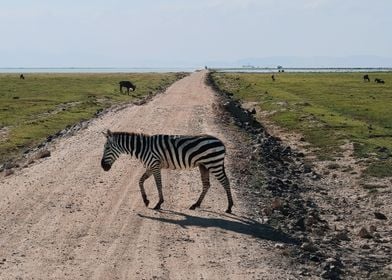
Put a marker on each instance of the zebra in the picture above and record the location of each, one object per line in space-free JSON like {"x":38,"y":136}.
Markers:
{"x":158,"y":152}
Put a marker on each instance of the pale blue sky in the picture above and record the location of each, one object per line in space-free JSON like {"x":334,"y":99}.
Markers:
{"x":120,"y":33}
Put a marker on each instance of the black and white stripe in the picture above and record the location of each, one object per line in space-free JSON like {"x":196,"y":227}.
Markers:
{"x":157,"y":152}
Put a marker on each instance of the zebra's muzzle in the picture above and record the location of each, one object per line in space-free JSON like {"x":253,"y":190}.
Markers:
{"x":105,"y":166}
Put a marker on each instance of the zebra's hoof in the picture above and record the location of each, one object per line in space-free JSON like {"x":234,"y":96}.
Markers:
{"x":157,"y":207}
{"x":194,"y":206}
{"x":146,"y":202}
{"x":228,"y":211}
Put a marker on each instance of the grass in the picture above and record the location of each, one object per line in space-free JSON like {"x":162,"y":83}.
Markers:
{"x":327,"y":109}
{"x":42,"y":104}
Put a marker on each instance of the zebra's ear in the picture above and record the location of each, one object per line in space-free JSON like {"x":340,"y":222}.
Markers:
{"x":107,"y":133}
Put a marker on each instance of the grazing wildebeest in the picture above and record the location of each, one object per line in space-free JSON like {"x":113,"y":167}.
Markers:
{"x":127,"y":85}
{"x":379,"y":81}
{"x":273,"y":77}
{"x":21,"y":77}
{"x":366,"y":78}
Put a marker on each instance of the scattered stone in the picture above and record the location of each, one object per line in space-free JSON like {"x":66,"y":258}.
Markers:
{"x":364,"y":233}
{"x":309,"y":246}
{"x":316,"y":176}
{"x":276,"y":203}
{"x":267,"y":211}
{"x":332,"y":269}
{"x":279,"y":246}
{"x":311,"y":220}
{"x":300,"y":224}
{"x":8,"y":172}
{"x":343,"y":235}
{"x":43,"y":154}
{"x":333,"y":166}
{"x":307,"y":168}
{"x":380,"y":216}
{"x":365,"y":246}
{"x":314,"y":258}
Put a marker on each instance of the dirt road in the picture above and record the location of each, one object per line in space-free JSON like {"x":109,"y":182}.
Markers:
{"x":65,"y":218}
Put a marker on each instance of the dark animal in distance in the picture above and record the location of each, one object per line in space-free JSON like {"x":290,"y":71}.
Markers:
{"x":273,"y":77}
{"x":379,"y":81}
{"x":127,"y":85}
{"x":21,"y":77}
{"x":366,"y":78}
{"x":158,"y":152}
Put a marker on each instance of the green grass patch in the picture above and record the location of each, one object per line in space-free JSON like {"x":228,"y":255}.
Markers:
{"x":327,"y":108}
{"x":42,"y":104}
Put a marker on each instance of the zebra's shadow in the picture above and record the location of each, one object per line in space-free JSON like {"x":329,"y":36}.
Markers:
{"x":229,"y":223}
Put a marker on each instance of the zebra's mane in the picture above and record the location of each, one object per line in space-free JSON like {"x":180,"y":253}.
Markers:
{"x":140,"y":134}
{"x":116,"y":134}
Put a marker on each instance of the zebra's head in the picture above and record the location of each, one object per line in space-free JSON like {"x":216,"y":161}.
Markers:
{"x":109,"y":154}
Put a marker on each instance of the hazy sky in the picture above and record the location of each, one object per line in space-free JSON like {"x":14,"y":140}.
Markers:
{"x":126,"y":33}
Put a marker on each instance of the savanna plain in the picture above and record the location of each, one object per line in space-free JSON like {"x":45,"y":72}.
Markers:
{"x":310,"y":167}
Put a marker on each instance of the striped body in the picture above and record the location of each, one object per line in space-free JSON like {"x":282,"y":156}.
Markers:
{"x":158,"y":152}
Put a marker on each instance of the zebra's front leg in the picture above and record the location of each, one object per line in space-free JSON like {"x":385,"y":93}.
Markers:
{"x":158,"y":181}
{"x":144,"y":177}
{"x":205,"y":179}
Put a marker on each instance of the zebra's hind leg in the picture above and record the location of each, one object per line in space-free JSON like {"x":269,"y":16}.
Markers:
{"x":144,"y":177}
{"x":220,"y":174}
{"x":205,"y":179}
{"x":158,"y":181}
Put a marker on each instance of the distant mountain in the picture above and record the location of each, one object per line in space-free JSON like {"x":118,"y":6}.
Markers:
{"x":315,"y":61}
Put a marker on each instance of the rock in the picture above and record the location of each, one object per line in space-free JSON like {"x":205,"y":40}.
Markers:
{"x":314,"y":258}
{"x":9,"y":165}
{"x":8,"y":172}
{"x":315,"y":176}
{"x":307,"y":168}
{"x":365,"y":246}
{"x":267,"y":211}
{"x":311,"y":220}
{"x":332,"y":268}
{"x":343,"y":235}
{"x":300,"y":154}
{"x":309,"y":246}
{"x":380,"y":216}
{"x":43,"y":153}
{"x":279,"y":246}
{"x":328,"y":274}
{"x":300,"y":224}
{"x":364,"y":233}
{"x":276,"y":203}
